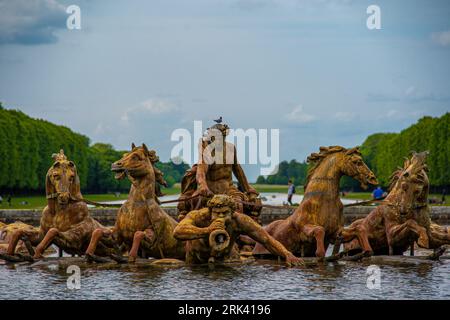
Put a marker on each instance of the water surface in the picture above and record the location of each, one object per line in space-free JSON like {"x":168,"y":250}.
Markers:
{"x":262,"y":280}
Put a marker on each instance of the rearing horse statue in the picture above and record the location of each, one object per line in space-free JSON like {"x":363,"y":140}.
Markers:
{"x":65,"y":220}
{"x":403,"y":217}
{"x":141,"y":224}
{"x":319,"y":218}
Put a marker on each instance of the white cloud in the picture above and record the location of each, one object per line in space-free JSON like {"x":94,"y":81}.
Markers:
{"x":252,"y":4}
{"x":298,"y":115}
{"x":344,"y":116}
{"x":410,"y":91}
{"x":300,"y":4}
{"x":391,"y":113}
{"x":410,"y":95}
{"x":441,"y":38}
{"x":158,"y":106}
{"x":99,"y":129}
{"x":31,"y":21}
{"x":152,"y":106}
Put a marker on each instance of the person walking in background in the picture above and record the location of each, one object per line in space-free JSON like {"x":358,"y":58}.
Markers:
{"x":444,"y":193}
{"x":291,"y":191}
{"x":378,"y":193}
{"x":8,"y":199}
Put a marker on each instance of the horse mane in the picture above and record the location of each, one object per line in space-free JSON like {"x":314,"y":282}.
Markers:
{"x":394,"y":178}
{"x":420,"y":172}
{"x":153,"y":157}
{"x":189,"y":181}
{"x":159,"y":175}
{"x":315,"y":159}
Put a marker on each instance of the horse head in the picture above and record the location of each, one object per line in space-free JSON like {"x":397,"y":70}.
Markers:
{"x":342,"y":161}
{"x":62,"y":181}
{"x":136,"y":164}
{"x":346,"y":161}
{"x":411,"y":183}
{"x":354,"y":166}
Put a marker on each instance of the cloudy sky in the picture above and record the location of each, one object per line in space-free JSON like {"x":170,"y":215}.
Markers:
{"x":137,"y":70}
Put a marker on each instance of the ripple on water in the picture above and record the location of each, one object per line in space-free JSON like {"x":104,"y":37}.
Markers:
{"x":258,"y":281}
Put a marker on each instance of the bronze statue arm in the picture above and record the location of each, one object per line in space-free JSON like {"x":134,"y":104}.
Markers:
{"x":200,"y":176}
{"x":202,"y":169}
{"x":240,"y":175}
{"x":187,"y":230}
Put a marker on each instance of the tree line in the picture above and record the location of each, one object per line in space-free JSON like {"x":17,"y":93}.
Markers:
{"x":292,"y":170}
{"x":384,"y":152}
{"x":26,"y":147}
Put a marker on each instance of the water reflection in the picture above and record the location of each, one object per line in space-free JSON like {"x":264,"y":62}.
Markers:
{"x":262,"y":280}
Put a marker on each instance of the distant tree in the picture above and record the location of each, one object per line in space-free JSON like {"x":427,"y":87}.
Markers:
{"x":26,"y":146}
{"x":292,"y":170}
{"x":261,"y":180}
{"x":383,"y":153}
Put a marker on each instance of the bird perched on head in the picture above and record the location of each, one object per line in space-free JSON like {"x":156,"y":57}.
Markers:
{"x":218,"y":120}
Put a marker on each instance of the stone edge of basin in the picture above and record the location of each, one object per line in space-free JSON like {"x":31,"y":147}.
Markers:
{"x":439,"y":214}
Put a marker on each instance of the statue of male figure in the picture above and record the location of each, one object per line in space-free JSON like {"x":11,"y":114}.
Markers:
{"x":216,"y":166}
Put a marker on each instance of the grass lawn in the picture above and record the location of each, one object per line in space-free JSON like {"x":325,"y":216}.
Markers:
{"x":39,"y":202}
{"x":358,"y":195}
{"x":34,"y":202}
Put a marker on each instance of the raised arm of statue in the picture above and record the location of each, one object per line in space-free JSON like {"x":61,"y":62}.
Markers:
{"x":202,"y":170}
{"x":240,"y":175}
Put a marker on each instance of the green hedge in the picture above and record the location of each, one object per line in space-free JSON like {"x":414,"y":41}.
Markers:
{"x":26,"y":147}
{"x":384,"y":152}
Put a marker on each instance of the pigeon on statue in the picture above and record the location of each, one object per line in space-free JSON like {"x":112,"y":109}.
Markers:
{"x":218,"y":120}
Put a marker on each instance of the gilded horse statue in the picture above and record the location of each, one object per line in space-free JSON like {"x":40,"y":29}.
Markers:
{"x":65,"y":221}
{"x":403,"y":217}
{"x":142,"y":226}
{"x":319,"y":218}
